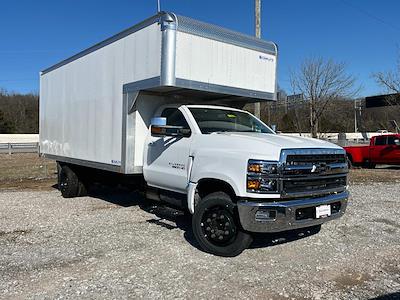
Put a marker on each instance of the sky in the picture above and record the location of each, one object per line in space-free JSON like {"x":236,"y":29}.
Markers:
{"x":364,"y":34}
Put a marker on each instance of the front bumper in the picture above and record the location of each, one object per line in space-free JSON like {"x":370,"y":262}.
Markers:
{"x":288,"y":214}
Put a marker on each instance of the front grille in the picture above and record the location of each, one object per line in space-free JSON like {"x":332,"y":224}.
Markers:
{"x":312,"y":173}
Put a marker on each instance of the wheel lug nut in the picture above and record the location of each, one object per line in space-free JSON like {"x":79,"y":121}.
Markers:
{"x":208,"y":228}
{"x":213,"y":236}
{"x":220,"y":237}
{"x":227,"y":224}
{"x":226,"y":232}
{"x":222,"y":217}
{"x":214,"y":215}
{"x":208,"y":220}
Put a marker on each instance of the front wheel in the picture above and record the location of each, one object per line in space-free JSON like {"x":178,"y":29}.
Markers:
{"x":216,"y":226}
{"x":349,"y":163}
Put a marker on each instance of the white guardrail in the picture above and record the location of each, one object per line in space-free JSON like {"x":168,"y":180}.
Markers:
{"x":19,"y":143}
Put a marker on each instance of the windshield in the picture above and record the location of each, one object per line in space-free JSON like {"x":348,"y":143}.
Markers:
{"x":222,"y":120}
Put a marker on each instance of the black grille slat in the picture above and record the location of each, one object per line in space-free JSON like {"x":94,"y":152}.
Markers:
{"x":295,"y":159}
{"x":314,"y":184}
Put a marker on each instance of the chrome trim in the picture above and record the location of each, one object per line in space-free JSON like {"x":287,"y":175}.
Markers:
{"x":224,"y":35}
{"x":332,"y":166}
{"x":285,"y":213}
{"x":222,"y":89}
{"x":309,"y":151}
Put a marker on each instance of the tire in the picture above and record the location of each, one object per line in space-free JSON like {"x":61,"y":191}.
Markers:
{"x":369,"y":165}
{"x":222,"y":239}
{"x":69,"y":183}
{"x":349,"y":163}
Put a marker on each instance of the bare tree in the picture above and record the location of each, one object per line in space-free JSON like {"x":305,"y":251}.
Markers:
{"x":390,"y":81}
{"x":321,"y":81}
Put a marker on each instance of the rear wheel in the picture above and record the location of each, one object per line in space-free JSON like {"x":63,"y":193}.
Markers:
{"x":69,"y":183}
{"x":216,"y":227}
{"x":369,"y":165}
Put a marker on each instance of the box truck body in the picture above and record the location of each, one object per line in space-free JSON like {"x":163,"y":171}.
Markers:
{"x":90,"y":112}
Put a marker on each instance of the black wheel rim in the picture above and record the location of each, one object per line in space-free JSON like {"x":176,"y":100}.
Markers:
{"x":218,"y":226}
{"x":63,"y":182}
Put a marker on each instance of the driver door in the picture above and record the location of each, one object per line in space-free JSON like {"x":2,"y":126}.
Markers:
{"x":166,"y":163}
{"x":392,"y":153}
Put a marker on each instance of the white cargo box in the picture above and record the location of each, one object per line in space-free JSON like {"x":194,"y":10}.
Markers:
{"x":95,"y":107}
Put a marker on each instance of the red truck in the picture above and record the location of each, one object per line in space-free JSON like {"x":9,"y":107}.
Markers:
{"x":382,"y":149}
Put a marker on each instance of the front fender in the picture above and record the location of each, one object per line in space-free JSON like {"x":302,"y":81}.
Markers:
{"x":226,"y":166}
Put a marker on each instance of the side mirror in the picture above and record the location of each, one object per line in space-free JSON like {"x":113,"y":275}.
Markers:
{"x":397,"y":142}
{"x":166,"y":130}
{"x":160,"y":121}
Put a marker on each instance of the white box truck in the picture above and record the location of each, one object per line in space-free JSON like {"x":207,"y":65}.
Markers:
{"x":158,"y":103}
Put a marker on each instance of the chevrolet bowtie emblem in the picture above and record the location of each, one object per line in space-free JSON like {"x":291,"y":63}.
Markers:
{"x":313,"y":169}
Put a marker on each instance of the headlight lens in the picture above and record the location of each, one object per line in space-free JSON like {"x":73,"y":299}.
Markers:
{"x":262,"y":176}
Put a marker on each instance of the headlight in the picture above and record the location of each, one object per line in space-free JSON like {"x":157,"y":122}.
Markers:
{"x":262,"y":176}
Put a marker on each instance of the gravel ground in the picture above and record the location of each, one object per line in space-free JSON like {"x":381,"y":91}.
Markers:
{"x":113,"y":245}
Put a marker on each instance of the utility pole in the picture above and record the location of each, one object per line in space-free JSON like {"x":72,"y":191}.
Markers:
{"x":355,"y":115}
{"x":158,"y":6}
{"x":257,"y":6}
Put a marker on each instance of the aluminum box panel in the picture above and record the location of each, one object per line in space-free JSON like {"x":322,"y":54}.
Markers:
{"x":81,"y":101}
{"x":217,"y":63}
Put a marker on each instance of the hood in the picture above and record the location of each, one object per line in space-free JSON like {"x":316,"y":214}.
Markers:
{"x":254,"y":145}
{"x":283,"y":141}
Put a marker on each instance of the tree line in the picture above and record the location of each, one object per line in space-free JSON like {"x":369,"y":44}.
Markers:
{"x":19,"y":113}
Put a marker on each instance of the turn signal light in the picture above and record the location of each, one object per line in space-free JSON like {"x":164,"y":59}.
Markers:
{"x":156,"y":130}
{"x":253,"y":184}
{"x":254,"y":168}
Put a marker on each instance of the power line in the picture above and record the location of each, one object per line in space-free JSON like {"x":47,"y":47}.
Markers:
{"x":365,"y":12}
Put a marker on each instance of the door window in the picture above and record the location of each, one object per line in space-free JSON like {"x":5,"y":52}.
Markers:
{"x":379,"y":141}
{"x":175,"y":117}
{"x":391,"y":140}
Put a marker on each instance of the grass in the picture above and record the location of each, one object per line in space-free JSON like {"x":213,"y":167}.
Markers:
{"x":26,"y":170}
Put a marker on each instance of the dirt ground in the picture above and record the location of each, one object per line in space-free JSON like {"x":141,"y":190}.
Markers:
{"x":26,"y":171}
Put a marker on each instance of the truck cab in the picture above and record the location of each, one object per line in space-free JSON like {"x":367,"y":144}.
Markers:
{"x":385,"y":149}
{"x":238,"y":176}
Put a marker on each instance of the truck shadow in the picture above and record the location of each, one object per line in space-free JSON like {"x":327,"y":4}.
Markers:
{"x":175,"y":219}
{"x":393,"y":296}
